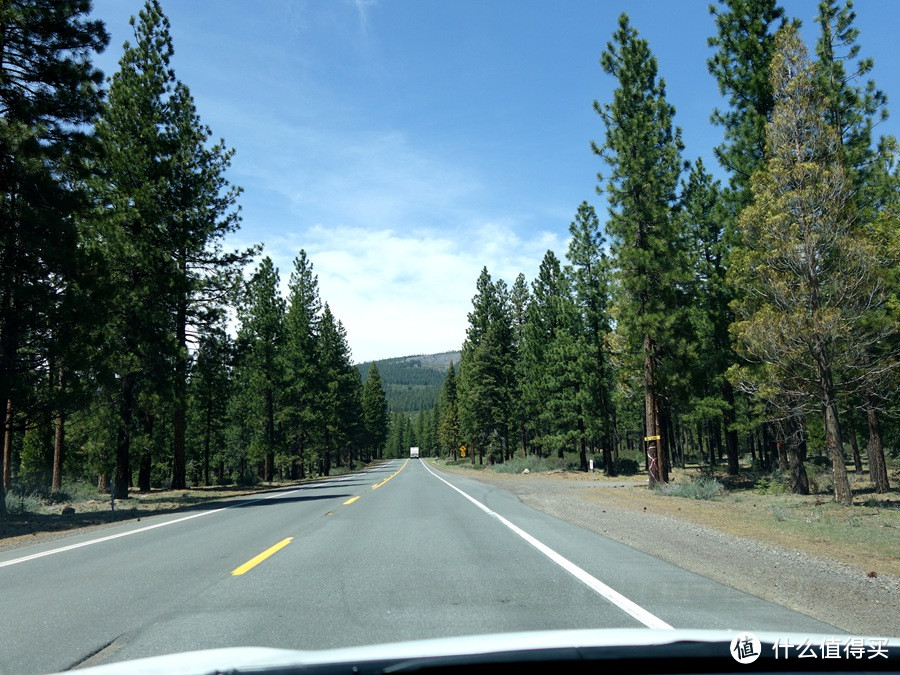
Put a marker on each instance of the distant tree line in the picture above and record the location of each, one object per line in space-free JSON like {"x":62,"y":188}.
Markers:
{"x":755,"y":318}
{"x":116,"y":289}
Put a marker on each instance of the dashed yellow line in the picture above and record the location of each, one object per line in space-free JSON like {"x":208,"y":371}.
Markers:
{"x":375,"y":487}
{"x":253,"y":562}
{"x":351,"y":500}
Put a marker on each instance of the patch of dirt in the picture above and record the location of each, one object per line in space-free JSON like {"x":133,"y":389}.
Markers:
{"x":841,"y":566}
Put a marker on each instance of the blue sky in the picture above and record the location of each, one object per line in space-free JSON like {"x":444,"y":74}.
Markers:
{"x":405,"y":144}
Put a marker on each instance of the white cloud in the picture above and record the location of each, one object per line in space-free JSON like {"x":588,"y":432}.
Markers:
{"x":407,"y":293}
{"x":397,"y":230}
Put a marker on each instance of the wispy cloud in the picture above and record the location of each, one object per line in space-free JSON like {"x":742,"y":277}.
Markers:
{"x":362,"y":11}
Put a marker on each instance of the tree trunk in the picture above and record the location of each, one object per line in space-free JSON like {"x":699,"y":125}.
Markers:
{"x":7,"y":446}
{"x":782,"y":455}
{"x":582,"y":445}
{"x":206,"y":440}
{"x":6,"y":437}
{"x":123,"y":439}
{"x":146,"y":461}
{"x":799,"y":479}
{"x":179,"y":479}
{"x":665,"y":451}
{"x":842,"y":493}
{"x":207,"y":437}
{"x":56,"y":482}
{"x":854,"y":443}
{"x":764,"y":456}
{"x":268,"y":473}
{"x":652,"y":435}
{"x":731,"y":437}
{"x":875,"y":451}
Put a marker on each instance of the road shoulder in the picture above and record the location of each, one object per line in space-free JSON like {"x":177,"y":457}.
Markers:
{"x":832,"y":591}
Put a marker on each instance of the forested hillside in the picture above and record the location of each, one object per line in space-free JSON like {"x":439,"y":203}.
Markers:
{"x":412,"y":383}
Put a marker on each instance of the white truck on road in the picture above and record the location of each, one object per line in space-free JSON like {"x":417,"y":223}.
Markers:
{"x":414,"y":453}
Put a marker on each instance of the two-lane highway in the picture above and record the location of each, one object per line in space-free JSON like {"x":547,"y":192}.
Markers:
{"x":401,"y":551}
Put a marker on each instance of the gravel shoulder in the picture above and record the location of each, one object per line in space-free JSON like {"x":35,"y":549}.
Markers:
{"x":843,"y":593}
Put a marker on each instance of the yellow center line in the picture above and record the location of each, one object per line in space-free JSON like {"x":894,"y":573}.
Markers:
{"x":351,"y":500}
{"x":392,"y":475}
{"x":250,"y":564}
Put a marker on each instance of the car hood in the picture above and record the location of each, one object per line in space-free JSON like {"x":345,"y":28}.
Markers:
{"x":556,"y":645}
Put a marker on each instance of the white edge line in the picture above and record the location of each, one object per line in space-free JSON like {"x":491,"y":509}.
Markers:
{"x":110,"y":537}
{"x":616,"y":598}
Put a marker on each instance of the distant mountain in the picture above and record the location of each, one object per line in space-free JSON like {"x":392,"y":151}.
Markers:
{"x":412,"y":383}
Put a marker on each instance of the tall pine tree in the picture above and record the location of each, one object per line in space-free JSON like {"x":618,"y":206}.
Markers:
{"x":588,"y":273}
{"x":809,"y":278}
{"x":261,"y":337}
{"x":643,"y":151}
{"x":300,"y":410}
{"x":49,"y":92}
{"x":375,"y":412}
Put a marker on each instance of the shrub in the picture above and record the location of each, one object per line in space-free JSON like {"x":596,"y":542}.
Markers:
{"x":773,"y":484}
{"x":779,"y":512}
{"x":701,"y":487}
{"x":625,"y":466}
{"x":533,"y":463}
{"x":769,"y":486}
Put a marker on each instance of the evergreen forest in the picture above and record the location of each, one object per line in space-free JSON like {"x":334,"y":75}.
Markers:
{"x":738,"y":316}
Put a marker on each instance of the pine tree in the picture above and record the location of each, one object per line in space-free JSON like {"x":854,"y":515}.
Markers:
{"x":339,"y":393}
{"x":549,"y":349}
{"x":808,"y":275}
{"x":300,"y":412}
{"x":133,"y":183}
{"x":588,"y":274}
{"x":201,"y":212}
{"x":49,"y":92}
{"x":209,"y":391}
{"x":486,"y":371}
{"x":744,"y":43}
{"x":375,"y":414}
{"x":448,"y":429}
{"x":519,"y":299}
{"x":643,"y":151}
{"x":853,"y":111}
{"x":262,"y":334}
{"x":704,"y":214}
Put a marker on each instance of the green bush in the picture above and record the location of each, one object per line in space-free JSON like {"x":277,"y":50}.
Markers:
{"x":775,"y":483}
{"x":769,"y":486}
{"x":624,"y":466}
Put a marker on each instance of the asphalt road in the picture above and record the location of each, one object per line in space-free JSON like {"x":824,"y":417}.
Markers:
{"x":395,"y":553}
